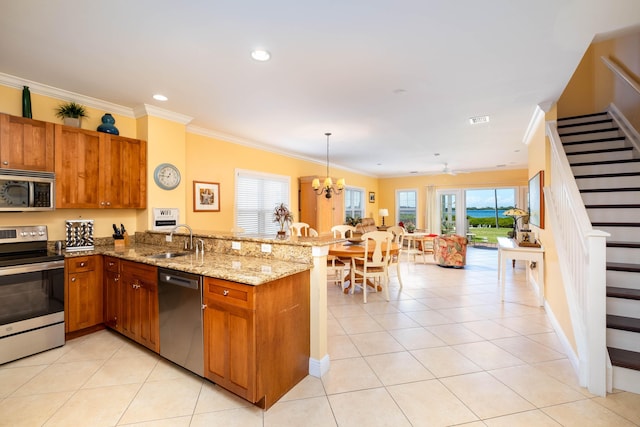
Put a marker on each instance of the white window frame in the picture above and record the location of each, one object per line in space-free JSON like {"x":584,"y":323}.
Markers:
{"x":264,"y":213}
{"x":397,"y":204}
{"x":362,"y":201}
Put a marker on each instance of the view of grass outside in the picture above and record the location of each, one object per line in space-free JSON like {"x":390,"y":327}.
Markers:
{"x":483,"y":225}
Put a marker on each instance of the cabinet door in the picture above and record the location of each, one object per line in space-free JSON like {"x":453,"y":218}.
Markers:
{"x":229,"y":344}
{"x":112,"y":292}
{"x":139,"y":304}
{"x":84,"y":294}
{"x":124,"y":172}
{"x":78,"y":183}
{"x":149,"y":321}
{"x":26,"y":144}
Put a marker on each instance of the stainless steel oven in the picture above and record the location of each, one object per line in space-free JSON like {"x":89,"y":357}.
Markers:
{"x":31,"y":293}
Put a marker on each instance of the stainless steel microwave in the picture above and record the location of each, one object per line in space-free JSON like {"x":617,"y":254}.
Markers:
{"x":27,"y":190}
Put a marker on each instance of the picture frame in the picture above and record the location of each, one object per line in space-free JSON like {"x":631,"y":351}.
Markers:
{"x":206,"y":196}
{"x":536,"y":200}
{"x":372,"y":197}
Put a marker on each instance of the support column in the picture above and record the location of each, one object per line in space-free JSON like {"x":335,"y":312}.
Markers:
{"x":319,"y":357}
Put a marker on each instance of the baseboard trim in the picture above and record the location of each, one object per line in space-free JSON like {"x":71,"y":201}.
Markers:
{"x":317,"y":368}
{"x":566,"y":345}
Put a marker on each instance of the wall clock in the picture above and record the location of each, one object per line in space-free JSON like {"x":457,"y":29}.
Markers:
{"x":167,"y":176}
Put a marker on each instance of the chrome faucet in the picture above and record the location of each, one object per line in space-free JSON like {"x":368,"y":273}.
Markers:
{"x":190,"y":235}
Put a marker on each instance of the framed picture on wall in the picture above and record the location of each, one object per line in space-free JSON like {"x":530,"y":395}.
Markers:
{"x":536,"y":200}
{"x":206,"y":196}
{"x":372,"y":197}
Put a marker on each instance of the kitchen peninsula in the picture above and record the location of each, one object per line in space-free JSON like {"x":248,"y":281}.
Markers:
{"x":261,"y":307}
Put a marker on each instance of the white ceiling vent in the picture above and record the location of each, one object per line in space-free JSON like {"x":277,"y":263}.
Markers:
{"x":479,"y":120}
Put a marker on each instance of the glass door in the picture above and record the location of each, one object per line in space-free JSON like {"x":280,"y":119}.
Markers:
{"x":451,"y":202}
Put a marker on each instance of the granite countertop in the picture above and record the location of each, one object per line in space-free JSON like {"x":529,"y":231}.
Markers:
{"x":241,"y":269}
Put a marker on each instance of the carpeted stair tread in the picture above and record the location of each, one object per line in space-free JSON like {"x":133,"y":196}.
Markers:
{"x":583,"y":116}
{"x":600,"y":151}
{"x":609,"y":190}
{"x":593,"y":141}
{"x":630,"y":245}
{"x":616,"y":206}
{"x":589,"y":132}
{"x":606,"y":162}
{"x":589,"y":123}
{"x":621,"y":266}
{"x":624,"y":358}
{"x":615,"y":224}
{"x":608,"y":175}
{"x":625,"y":293}
{"x":630,"y":324}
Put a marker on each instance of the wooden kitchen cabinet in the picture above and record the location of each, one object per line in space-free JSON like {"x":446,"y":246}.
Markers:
{"x":83,"y":293}
{"x":112,"y":292}
{"x":257,"y":337}
{"x":99,"y":170}
{"x":139,"y":318}
{"x":26,"y":144}
{"x":319,"y":212}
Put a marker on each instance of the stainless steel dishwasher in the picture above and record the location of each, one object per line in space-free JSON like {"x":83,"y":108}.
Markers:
{"x":180,"y":304}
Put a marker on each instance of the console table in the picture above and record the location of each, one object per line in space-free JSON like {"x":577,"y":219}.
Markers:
{"x":509,"y":249}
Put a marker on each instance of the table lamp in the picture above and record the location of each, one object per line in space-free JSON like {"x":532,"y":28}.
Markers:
{"x":383,"y":213}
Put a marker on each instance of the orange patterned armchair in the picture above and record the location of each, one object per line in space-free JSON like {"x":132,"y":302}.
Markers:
{"x":450,"y":251}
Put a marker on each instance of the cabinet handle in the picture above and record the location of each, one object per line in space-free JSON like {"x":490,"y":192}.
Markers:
{"x":5,"y":163}
{"x":73,"y":279}
{"x":225,"y":292}
{"x":82,"y":264}
{"x":108,"y":203}
{"x":115,"y":279}
{"x":101,"y":203}
{"x":111,"y":263}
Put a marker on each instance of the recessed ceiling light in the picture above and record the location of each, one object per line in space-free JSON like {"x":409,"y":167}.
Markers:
{"x":399,"y":91}
{"x":479,"y":120}
{"x":159,"y":97}
{"x":260,"y":55}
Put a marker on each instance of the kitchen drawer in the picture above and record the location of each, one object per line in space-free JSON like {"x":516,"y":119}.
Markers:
{"x":80,"y":264}
{"x":142,"y":272}
{"x":112,"y":264}
{"x":229,"y":292}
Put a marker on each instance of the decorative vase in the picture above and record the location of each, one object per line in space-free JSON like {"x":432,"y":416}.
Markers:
{"x":26,"y":102}
{"x":282,"y":234}
{"x":107,"y":125}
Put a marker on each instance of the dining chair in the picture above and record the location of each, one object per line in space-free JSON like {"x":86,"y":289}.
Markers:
{"x":299,"y":229}
{"x":342,"y":231}
{"x":312,"y":232}
{"x":394,"y":260}
{"x":375,"y":266}
{"x":421,"y":246}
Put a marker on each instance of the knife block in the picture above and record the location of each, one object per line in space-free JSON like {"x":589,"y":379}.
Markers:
{"x":120,"y":244}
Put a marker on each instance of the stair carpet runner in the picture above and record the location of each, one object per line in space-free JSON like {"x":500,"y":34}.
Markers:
{"x":607,"y":171}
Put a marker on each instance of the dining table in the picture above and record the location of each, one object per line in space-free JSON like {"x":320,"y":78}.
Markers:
{"x":350,"y":250}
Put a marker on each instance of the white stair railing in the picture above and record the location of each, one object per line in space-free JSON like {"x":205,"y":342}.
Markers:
{"x":582,"y":251}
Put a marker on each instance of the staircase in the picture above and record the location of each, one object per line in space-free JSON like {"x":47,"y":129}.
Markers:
{"x":607,"y":171}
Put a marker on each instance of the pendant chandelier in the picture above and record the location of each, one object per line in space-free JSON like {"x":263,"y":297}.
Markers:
{"x":328,"y":189}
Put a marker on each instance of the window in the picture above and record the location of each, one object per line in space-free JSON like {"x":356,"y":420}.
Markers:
{"x":406,"y":205}
{"x":256,"y":197}
{"x":353,"y":202}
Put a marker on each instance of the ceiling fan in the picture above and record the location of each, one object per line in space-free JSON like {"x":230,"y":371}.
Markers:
{"x":447,"y":170}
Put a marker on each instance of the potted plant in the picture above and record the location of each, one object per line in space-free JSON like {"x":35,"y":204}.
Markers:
{"x":283,"y":216}
{"x":409,"y":226}
{"x":71,"y":113}
{"x":353,"y":220}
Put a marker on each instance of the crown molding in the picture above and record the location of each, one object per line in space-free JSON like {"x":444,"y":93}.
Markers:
{"x":151,"y":110}
{"x":536,"y":118}
{"x":64,"y":95}
{"x":264,"y":147}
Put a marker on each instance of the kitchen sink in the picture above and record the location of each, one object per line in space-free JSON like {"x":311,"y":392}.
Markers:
{"x":164,"y":255}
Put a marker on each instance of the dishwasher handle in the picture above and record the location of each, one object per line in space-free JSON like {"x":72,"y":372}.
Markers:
{"x":179,"y":280}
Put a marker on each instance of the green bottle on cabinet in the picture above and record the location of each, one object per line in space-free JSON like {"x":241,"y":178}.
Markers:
{"x":26,"y":103}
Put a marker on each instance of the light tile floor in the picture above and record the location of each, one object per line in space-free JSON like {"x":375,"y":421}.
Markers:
{"x":443,"y":351}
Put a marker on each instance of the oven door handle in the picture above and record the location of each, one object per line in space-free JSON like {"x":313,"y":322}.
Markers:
{"x":31,"y":268}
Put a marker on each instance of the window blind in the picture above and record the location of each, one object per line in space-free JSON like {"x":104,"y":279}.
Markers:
{"x":257,"y":195}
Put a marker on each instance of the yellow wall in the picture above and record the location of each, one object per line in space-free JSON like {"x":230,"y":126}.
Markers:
{"x":594,"y":86}
{"x":212,"y":160}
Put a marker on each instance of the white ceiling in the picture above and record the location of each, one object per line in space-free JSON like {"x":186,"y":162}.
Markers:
{"x":394,"y":81}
